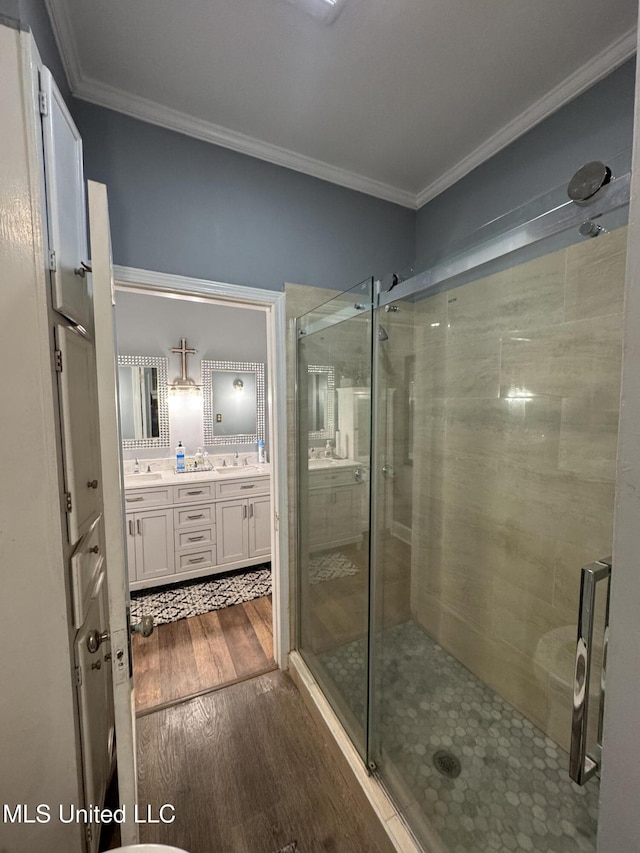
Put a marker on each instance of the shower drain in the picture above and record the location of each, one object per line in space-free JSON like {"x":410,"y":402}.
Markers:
{"x":446,"y":763}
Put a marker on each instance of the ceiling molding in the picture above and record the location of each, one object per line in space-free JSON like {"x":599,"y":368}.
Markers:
{"x":63,"y":34}
{"x":577,"y":83}
{"x":154,"y":113}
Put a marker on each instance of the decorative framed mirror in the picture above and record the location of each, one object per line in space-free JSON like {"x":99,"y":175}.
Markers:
{"x":322,"y":402}
{"x":144,"y":410}
{"x":233,"y":400}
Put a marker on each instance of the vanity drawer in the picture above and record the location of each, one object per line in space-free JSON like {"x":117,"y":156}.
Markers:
{"x":243,"y":488}
{"x":86,"y":565}
{"x":201,"y":558}
{"x":323,"y":479}
{"x":194,"y":516}
{"x":193,"y":493}
{"x":141,"y":498}
{"x":196,"y":538}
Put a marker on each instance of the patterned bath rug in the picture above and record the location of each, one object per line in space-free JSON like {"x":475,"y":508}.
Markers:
{"x":193,"y":598}
{"x":327,"y":566}
{"x":290,"y":848}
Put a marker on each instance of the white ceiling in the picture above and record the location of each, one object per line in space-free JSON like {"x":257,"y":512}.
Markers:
{"x":397,"y":98}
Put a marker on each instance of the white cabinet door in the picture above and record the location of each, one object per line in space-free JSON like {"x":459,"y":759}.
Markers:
{"x":81,"y":439}
{"x":95,"y":704}
{"x":66,"y":215}
{"x":155,"y":555}
{"x":232,"y":531}
{"x":260,"y":526}
{"x":343,"y":520}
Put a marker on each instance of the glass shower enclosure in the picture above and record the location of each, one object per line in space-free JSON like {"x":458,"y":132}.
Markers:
{"x":468,"y":480}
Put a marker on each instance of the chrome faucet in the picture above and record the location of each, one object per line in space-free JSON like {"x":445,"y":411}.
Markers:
{"x":224,"y":462}
{"x":136,"y":467}
{"x":236,"y":456}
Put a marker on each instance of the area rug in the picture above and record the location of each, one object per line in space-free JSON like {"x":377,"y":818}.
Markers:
{"x":170,"y":603}
{"x":330,"y":565}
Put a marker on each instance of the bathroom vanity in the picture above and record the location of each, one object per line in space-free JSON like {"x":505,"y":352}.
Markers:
{"x":337,"y":503}
{"x":185,"y":526}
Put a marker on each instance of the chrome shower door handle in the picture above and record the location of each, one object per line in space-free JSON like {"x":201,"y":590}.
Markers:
{"x":582,"y":766}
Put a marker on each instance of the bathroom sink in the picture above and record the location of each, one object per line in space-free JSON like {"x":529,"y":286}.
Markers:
{"x":237,"y":470}
{"x":323,"y":463}
{"x":144,"y":478}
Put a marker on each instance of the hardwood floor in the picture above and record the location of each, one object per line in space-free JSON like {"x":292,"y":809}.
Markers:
{"x":248,"y":771}
{"x":201,"y":653}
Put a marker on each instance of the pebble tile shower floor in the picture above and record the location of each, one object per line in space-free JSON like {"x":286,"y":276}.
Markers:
{"x":513,"y":791}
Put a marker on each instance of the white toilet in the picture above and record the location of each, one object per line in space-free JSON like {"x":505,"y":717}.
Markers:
{"x":148,"y":848}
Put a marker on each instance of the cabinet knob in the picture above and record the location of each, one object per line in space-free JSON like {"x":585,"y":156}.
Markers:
{"x":92,"y":484}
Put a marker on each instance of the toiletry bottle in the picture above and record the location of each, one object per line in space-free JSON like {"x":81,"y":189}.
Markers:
{"x":261,"y":456}
{"x":180,"y":457}
{"x":199,"y":458}
{"x":327,"y":450}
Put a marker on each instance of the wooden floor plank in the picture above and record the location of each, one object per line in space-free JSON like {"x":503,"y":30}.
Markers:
{"x":263,"y":632}
{"x":147,"y":662}
{"x":213,"y":659}
{"x":179,"y":673}
{"x":246,"y":651}
{"x":249,"y":772}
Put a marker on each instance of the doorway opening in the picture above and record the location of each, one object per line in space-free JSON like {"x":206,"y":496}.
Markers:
{"x":204,"y":554}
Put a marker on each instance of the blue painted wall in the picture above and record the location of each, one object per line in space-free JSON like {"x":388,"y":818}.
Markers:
{"x":183,"y":206}
{"x":595,"y":126}
{"x":33,"y":14}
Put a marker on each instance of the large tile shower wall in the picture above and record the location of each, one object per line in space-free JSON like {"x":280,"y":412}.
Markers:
{"x":516,"y":398}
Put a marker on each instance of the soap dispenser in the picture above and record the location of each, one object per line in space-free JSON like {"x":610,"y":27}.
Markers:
{"x":180,"y":466}
{"x":327,"y":450}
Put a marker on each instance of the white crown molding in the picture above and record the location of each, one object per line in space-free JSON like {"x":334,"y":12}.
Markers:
{"x":154,"y":113}
{"x":587,"y":75}
{"x":63,"y":34}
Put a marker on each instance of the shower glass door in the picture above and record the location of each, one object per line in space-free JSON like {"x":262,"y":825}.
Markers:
{"x":496,"y":408}
{"x":334,"y":439}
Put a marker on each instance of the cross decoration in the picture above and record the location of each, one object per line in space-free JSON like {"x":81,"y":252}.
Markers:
{"x":184,"y":351}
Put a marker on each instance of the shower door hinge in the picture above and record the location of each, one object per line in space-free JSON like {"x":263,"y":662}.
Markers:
{"x":58,"y":360}
{"x":78,"y":676}
{"x":67,"y":501}
{"x":52,"y":260}
{"x":43,"y":103}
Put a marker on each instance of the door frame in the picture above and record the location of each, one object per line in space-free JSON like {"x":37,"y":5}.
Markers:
{"x":273,"y":305}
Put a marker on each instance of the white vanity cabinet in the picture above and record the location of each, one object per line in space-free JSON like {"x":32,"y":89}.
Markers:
{"x":197,"y":528}
{"x":336,"y":507}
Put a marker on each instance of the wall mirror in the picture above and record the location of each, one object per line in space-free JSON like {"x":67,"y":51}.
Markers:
{"x":322,"y":397}
{"x":144,"y":413}
{"x":233,"y":398}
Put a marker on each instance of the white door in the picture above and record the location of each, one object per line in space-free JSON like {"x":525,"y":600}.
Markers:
{"x":64,"y":189}
{"x":112,"y":491}
{"x":232,"y":531}
{"x":260,"y":527}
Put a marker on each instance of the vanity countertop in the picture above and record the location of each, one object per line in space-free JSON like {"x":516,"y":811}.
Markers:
{"x":170,"y":478}
{"x":327,"y":463}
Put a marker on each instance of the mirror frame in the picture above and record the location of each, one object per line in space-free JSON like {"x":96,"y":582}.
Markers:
{"x":162,"y":366}
{"x":329,"y":432}
{"x":208,"y":375}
